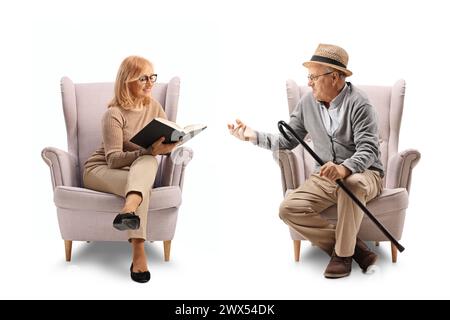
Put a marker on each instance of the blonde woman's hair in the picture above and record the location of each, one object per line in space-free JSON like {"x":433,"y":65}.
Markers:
{"x":130,"y":69}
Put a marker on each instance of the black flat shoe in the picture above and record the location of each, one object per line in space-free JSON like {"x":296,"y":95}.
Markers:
{"x":141,"y":277}
{"x":126,"y":221}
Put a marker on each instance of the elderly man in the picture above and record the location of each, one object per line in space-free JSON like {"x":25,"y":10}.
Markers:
{"x":343,"y":127}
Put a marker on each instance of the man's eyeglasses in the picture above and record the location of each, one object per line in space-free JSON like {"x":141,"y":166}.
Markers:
{"x":146,"y":78}
{"x":313,"y":78}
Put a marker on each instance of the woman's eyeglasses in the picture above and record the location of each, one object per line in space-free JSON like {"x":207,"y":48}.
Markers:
{"x":146,"y":78}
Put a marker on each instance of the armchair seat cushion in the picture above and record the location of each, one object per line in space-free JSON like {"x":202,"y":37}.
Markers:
{"x":390,"y":201}
{"x":82,"y":199}
{"x":389,"y":208}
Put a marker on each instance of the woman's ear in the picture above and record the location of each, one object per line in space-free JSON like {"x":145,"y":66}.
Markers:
{"x":131,"y":89}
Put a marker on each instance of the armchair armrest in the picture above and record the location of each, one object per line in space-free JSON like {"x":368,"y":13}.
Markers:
{"x":63,"y":167}
{"x":174,"y":165}
{"x":288,"y":162}
{"x":400,"y":167}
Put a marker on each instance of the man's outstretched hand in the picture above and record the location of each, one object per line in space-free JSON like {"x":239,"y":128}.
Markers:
{"x":242,"y":131}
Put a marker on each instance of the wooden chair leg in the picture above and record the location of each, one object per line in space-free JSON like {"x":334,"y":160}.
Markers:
{"x":167,"y":244}
{"x":68,"y":246}
{"x":297,"y":244}
{"x":377,"y":243}
{"x":394,"y":253}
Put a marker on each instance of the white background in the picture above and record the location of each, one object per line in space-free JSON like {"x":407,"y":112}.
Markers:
{"x":233,"y":59}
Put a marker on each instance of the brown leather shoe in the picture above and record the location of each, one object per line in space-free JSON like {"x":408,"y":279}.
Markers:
{"x":338,"y":267}
{"x":363,"y":256}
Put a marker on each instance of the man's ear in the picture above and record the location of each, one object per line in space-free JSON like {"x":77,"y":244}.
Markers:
{"x":335,"y":77}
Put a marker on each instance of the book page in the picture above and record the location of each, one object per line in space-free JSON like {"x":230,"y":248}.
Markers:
{"x":170,"y":124}
{"x":194,"y":127}
{"x":191,"y":131}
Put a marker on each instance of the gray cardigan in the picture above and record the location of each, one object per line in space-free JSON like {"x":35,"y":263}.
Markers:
{"x":355,"y":142}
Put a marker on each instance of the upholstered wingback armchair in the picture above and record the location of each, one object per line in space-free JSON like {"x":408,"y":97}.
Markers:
{"x":87,"y":215}
{"x":390,"y":206}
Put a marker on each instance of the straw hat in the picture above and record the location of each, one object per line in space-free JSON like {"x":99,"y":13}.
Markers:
{"x":331,"y":56}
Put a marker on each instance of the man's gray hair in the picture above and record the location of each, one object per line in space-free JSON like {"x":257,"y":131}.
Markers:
{"x":340,"y":73}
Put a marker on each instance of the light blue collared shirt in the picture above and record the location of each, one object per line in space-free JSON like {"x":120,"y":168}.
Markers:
{"x":332,"y":116}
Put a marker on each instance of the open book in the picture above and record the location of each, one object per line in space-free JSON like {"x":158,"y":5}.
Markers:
{"x":172,"y":132}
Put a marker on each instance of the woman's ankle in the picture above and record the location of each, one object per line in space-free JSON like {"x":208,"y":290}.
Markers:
{"x":132,"y":202}
{"x":139,"y":256}
{"x":138,"y":247}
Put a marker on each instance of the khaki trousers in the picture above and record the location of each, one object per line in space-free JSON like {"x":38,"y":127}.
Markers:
{"x":139,"y":177}
{"x":300,"y":210}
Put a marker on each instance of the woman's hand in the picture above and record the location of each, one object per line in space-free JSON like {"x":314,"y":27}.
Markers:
{"x":242,"y":131}
{"x":159,"y":148}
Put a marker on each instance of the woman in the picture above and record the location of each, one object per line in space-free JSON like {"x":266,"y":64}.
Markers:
{"x":123,"y":168}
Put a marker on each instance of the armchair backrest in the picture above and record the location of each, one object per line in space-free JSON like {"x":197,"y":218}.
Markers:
{"x":387,"y":100}
{"x":84,"y":105}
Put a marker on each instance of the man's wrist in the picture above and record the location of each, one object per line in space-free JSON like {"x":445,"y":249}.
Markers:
{"x":253,"y":138}
{"x":346,"y":170}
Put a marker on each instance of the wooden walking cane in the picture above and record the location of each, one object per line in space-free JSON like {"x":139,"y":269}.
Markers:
{"x":281,"y":126}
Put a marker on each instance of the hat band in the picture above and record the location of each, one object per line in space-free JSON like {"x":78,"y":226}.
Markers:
{"x":328,"y":60}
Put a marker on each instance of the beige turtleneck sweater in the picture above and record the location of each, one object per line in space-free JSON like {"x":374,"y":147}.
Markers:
{"x":118,"y":127}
